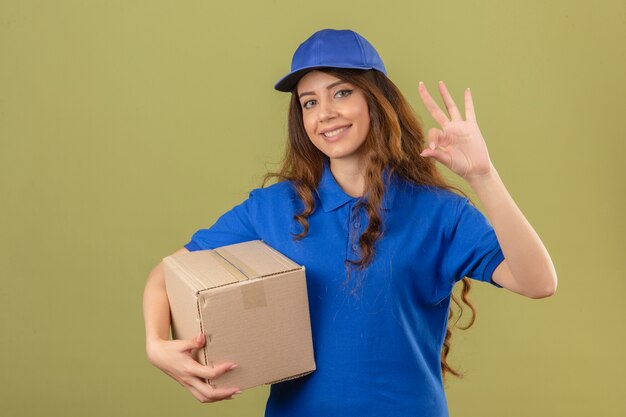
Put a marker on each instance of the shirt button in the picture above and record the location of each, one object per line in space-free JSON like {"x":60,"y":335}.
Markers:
{"x":355,"y":246}
{"x":356,"y":225}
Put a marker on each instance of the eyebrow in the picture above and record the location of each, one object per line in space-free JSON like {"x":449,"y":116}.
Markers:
{"x":310,"y":93}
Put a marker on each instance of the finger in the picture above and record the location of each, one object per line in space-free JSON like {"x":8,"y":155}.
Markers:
{"x":197,"y":394}
{"x":439,"y":116}
{"x":210,"y":372}
{"x":469,"y":106}
{"x":214,"y":394}
{"x":453,"y":110}
{"x":225,"y":393}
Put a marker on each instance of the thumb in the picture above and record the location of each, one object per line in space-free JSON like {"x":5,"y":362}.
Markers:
{"x":185,"y":345}
{"x":199,"y":341}
{"x":435,"y":136}
{"x":438,"y":155}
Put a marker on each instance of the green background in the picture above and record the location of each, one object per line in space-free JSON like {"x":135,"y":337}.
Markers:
{"x":127,"y":125}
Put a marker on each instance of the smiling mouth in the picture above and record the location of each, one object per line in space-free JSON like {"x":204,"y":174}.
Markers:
{"x":335,"y":132}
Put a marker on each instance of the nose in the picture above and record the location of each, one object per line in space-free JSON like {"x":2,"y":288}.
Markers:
{"x":327,"y":110}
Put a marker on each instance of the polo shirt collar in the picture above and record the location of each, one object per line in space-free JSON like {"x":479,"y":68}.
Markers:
{"x":330,"y":193}
{"x":332,"y":196}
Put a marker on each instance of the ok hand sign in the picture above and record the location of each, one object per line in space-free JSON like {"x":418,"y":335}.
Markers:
{"x":458,"y":144}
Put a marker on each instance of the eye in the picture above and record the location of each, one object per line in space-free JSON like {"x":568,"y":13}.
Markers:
{"x":343,"y":93}
{"x":307,"y":104}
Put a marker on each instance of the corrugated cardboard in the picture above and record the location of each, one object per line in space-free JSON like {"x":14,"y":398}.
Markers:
{"x":251,"y":303}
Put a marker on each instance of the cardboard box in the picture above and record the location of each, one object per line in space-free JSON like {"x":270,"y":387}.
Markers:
{"x":251,"y":303}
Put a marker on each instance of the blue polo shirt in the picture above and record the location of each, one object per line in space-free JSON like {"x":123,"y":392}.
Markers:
{"x":378,"y":337}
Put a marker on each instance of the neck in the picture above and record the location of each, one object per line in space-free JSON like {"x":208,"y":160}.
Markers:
{"x":350,"y":175}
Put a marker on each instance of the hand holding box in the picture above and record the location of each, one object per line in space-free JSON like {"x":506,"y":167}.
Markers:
{"x":251,"y":303}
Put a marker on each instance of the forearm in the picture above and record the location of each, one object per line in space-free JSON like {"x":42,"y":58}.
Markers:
{"x":525,"y":254}
{"x":156,"y":308}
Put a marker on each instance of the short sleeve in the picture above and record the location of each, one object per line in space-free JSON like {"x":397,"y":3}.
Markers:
{"x":235,"y":226}
{"x":473,"y":249}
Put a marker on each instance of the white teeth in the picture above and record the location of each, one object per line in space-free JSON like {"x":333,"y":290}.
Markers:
{"x":335,"y":132}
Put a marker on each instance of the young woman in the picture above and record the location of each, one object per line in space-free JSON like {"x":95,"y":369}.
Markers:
{"x":384,"y":239}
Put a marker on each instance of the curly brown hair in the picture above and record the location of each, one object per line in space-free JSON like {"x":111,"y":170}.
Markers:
{"x":392,"y":146}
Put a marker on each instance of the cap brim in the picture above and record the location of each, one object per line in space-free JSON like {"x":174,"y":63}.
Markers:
{"x":289,"y":82}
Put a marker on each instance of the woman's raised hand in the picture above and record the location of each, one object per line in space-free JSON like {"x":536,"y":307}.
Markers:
{"x":174,"y":357}
{"x":458,"y":144}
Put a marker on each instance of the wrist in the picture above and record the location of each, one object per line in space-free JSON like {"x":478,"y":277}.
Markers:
{"x":483,"y":180}
{"x":152,"y":345}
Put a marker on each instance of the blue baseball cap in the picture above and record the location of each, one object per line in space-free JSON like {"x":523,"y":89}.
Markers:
{"x":331,"y":48}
